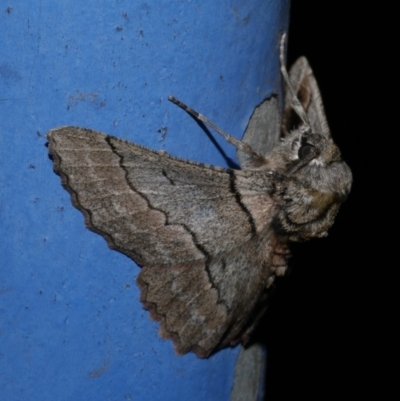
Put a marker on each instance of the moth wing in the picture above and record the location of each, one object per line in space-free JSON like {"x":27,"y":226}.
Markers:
{"x":206,"y":306}
{"x":263,"y":130}
{"x":187,"y":225}
{"x":151,"y":206}
{"x":305,"y":86}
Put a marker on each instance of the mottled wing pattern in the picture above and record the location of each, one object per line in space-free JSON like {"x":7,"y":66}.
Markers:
{"x":201,"y":233}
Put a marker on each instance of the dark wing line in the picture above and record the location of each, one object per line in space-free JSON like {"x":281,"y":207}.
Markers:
{"x":235,"y":195}
{"x":86,"y":213}
{"x":88,"y":216}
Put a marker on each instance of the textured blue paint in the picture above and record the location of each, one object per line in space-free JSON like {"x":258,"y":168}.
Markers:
{"x":71,"y":325}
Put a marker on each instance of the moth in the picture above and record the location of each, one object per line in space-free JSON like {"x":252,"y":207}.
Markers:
{"x":211,"y":240}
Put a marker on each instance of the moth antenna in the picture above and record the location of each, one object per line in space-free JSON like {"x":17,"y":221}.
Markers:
{"x":297,"y":106}
{"x":231,"y":139}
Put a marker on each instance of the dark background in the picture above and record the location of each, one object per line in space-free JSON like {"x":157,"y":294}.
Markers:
{"x":325,"y":329}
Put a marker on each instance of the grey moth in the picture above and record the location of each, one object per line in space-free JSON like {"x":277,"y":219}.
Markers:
{"x":211,"y":241}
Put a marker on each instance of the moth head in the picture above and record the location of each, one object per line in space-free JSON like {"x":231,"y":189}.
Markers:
{"x":316,"y":160}
{"x":314,"y":181}
{"x":307,"y":147}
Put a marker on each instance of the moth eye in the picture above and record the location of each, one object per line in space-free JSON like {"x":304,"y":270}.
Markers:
{"x":305,"y":150}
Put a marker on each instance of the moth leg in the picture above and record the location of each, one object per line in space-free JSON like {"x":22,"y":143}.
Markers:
{"x":231,"y":139}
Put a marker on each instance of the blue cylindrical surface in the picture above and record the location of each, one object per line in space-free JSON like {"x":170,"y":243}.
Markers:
{"x":72,"y":326}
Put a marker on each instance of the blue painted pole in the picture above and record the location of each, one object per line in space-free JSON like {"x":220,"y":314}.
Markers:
{"x":72,"y":326}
